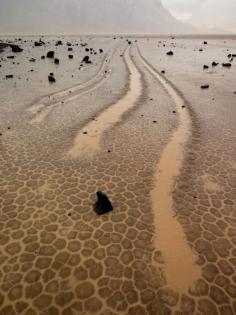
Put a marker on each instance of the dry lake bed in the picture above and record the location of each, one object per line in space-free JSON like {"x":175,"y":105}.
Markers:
{"x":151,"y":122}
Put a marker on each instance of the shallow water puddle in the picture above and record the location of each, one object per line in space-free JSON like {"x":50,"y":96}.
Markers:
{"x":88,"y":139}
{"x":180,"y":269}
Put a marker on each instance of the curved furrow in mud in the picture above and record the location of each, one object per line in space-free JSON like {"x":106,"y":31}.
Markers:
{"x":88,"y":139}
{"x":43,"y":107}
{"x":170,"y":237}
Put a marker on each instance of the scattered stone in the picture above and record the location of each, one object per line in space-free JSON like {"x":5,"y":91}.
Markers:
{"x":10,"y":57}
{"x":205,"y":86}
{"x":56,"y":61}
{"x":50,"y":54}
{"x":205,"y":43}
{"x":70,"y":56}
{"x":58,"y":43}
{"x":42,"y":57}
{"x":200,"y":49}
{"x":103,"y":204}
{"x":173,"y":111}
{"x":32,"y":60}
{"x":226,"y":64}
{"x":170,"y":53}
{"x":51,"y":78}
{"x":101,"y":51}
{"x":16,"y":48}
{"x":214,"y":64}
{"x":70,"y":49}
{"x":86,"y":60}
{"x":39,"y":43}
{"x":205,"y":67}
{"x":163,"y":71}
{"x":9,"y":76}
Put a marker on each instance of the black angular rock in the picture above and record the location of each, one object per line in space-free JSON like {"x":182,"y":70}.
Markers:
{"x":226,"y":64}
{"x":205,"y":86}
{"x":101,"y":51}
{"x":70,"y":56}
{"x":16,"y":48}
{"x":51,"y":78}
{"x":9,"y":76}
{"x":40,"y":43}
{"x":58,"y":43}
{"x":86,"y":59}
{"x":214,"y":64}
{"x":205,"y":67}
{"x":56,"y":61}
{"x":170,"y":53}
{"x":50,"y":54}
{"x":103,"y":204}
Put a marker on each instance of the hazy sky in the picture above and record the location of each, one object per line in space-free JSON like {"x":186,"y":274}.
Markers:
{"x":211,"y":14}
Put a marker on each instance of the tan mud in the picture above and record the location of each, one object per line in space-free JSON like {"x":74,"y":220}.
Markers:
{"x":88,"y":139}
{"x":180,"y":269}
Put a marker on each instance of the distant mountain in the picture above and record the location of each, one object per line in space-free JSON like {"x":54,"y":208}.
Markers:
{"x":87,"y":16}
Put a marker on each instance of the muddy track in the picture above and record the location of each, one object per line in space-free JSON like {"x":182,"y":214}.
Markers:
{"x":88,"y":139}
{"x":174,"y":246}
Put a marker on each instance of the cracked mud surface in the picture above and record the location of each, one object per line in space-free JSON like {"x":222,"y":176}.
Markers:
{"x":57,"y":256}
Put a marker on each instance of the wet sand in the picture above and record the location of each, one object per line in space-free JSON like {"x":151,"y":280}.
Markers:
{"x":168,"y":247}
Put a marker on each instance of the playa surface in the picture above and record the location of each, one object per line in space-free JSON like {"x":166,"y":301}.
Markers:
{"x":135,"y":124}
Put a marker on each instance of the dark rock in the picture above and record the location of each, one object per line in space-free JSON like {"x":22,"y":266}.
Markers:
{"x":86,"y":59}
{"x":59,"y":42}
{"x":50,"y":54}
{"x":32,"y":60}
{"x":226,"y":64}
{"x":205,"y":86}
{"x":129,"y":42}
{"x":205,"y":43}
{"x":42,"y":57}
{"x":163,"y":71}
{"x":205,"y":67}
{"x":10,"y":57}
{"x":200,"y":49}
{"x":86,"y":49}
{"x":40,"y":43}
{"x":214,"y":64}
{"x":51,"y":78}
{"x":9,"y":76}
{"x":15,"y":48}
{"x":70,"y":48}
{"x":173,"y":111}
{"x":70,"y":56}
{"x":170,"y":53}
{"x":101,"y":51}
{"x":56,"y":61}
{"x":103,"y":204}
